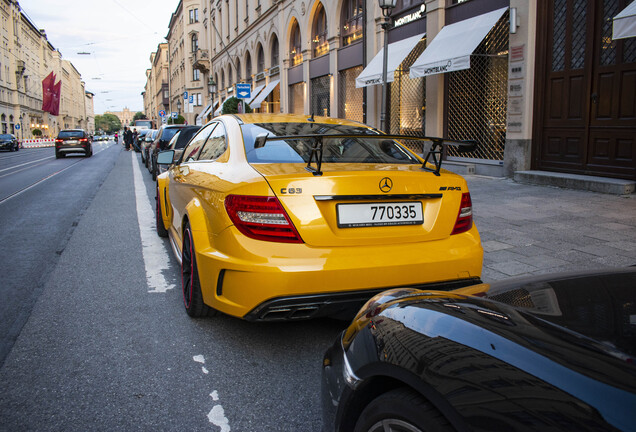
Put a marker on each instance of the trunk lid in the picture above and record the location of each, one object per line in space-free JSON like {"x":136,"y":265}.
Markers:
{"x":358,"y":192}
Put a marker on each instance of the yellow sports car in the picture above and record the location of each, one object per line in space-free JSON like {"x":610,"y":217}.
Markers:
{"x":281,"y":217}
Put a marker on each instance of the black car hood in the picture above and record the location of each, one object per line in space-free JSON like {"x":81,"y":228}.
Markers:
{"x":598,"y":306}
{"x":584,"y":321}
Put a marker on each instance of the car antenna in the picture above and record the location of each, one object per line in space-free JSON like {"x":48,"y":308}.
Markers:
{"x":311,"y":117}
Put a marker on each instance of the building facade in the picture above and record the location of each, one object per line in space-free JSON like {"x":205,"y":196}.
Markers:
{"x":157,"y":91}
{"x":539,"y":85}
{"x":125,"y":116}
{"x":26,"y":58}
{"x":188,"y":60}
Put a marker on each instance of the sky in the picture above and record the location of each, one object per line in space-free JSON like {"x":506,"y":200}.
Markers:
{"x":118,"y":37}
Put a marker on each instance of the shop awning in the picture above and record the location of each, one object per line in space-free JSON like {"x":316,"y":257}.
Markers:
{"x":203,"y":115}
{"x":625,"y":23}
{"x":255,"y":93}
{"x":450,"y":50}
{"x":372,"y":74}
{"x":256,"y":102}
{"x":220,"y":108}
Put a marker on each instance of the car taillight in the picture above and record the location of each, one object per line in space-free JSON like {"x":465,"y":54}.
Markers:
{"x":83,"y":140}
{"x":59,"y":141}
{"x":464,"y":220}
{"x":261,"y":218}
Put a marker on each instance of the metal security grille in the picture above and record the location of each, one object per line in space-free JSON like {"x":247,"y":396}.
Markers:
{"x":477,"y":97}
{"x":320,"y":96}
{"x":350,"y":98}
{"x":407,"y":101}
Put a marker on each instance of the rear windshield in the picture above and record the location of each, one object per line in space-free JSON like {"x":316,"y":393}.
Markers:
{"x":167,"y":134}
{"x":184,"y":137}
{"x":338,"y":150}
{"x":71,"y":134}
{"x":6,"y":136}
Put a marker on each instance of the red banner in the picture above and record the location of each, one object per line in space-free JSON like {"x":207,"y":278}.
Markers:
{"x":55,"y":99}
{"x":47,"y":91}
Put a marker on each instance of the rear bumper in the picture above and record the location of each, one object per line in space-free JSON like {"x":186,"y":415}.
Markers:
{"x":79,"y":148}
{"x":260,"y":280}
{"x":342,"y":304}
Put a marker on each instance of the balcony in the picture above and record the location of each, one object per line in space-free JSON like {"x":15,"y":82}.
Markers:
{"x":201,"y":60}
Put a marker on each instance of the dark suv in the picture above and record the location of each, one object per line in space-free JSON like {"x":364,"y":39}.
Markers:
{"x":73,"y":141}
{"x":9,"y":142}
{"x":163,"y":137}
{"x":178,"y":143}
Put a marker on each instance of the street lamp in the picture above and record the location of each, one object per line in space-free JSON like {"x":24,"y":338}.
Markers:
{"x":387,"y":7}
{"x":212,"y":88}
{"x":179,"y":106}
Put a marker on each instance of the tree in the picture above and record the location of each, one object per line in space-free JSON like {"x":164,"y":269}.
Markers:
{"x":139,"y":116}
{"x":231,"y":106}
{"x":179,"y":120}
{"x":36,"y":132}
{"x":109,"y":123}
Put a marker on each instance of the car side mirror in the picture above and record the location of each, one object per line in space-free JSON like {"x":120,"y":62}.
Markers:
{"x":165,"y":157}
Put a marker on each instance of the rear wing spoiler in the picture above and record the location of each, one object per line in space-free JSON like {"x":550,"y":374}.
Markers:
{"x":434,"y":154}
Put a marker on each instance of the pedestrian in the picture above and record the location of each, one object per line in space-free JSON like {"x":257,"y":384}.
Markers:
{"x":128,"y":138}
{"x":135,"y":138}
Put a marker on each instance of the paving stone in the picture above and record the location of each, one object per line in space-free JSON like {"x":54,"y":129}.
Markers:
{"x":513,"y":268}
{"x":492,"y":246}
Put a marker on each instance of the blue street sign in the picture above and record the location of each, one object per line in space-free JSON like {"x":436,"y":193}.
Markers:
{"x":191,"y":99}
{"x":185,"y":95}
{"x":162,"y":113}
{"x":243,"y":90}
{"x":17,"y":126}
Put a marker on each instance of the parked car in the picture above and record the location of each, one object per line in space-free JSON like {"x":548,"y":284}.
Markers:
{"x":73,"y":141}
{"x":140,"y":139}
{"x":178,"y":143}
{"x":9,"y":142}
{"x":279,"y":217}
{"x":145,"y":145}
{"x":550,"y":352}
{"x":162,"y":138}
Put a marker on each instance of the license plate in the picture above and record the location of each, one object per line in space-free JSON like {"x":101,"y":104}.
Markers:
{"x":379,"y":214}
{"x":71,"y":142}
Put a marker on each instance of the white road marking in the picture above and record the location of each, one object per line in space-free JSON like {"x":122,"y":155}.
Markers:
{"x":26,"y":163}
{"x":155,"y":254}
{"x":217,"y":418}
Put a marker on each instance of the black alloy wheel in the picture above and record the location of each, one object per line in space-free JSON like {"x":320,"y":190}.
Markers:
{"x":161,"y":229}
{"x":192,"y":297}
{"x":401,"y":410}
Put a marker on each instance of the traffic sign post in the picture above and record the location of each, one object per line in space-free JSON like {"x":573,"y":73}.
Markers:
{"x":162,"y":113}
{"x":243,"y":90}
{"x":185,"y":95}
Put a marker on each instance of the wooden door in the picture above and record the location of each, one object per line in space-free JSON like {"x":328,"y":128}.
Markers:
{"x":585,"y":113}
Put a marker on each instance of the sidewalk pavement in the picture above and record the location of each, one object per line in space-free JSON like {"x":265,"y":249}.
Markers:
{"x":528,"y":229}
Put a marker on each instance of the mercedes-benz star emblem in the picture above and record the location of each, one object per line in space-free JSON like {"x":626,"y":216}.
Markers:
{"x":386,"y":184}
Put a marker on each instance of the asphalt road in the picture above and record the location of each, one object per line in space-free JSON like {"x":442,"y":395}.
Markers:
{"x":41,"y":201}
{"x":101,"y":350}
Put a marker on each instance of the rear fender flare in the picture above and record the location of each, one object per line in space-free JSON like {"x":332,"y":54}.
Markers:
{"x":196,"y":217}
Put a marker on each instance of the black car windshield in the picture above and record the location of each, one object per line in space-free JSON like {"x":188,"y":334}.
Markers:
{"x":6,"y":137}
{"x":185,"y":136}
{"x":356,"y":150}
{"x":71,"y":134}
{"x":167,"y":134}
